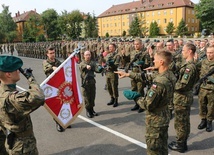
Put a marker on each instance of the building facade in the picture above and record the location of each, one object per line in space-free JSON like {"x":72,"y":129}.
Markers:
{"x":117,"y":19}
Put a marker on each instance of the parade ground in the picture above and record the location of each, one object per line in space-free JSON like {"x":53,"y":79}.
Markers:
{"x":116,"y":131}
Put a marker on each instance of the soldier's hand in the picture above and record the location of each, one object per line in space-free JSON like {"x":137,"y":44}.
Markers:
{"x":54,"y":68}
{"x":121,"y":74}
{"x":150,"y":68}
{"x":27,"y":72}
{"x":88,"y":67}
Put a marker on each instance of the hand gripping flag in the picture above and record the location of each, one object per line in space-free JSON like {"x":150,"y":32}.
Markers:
{"x":62,"y":94}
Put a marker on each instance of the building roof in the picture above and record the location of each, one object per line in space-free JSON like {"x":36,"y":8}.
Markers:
{"x":144,"y":5}
{"x":24,"y":16}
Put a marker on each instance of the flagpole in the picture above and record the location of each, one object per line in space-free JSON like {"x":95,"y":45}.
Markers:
{"x":58,"y":68}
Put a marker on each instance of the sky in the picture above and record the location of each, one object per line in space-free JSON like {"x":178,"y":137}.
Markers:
{"x":93,"y":6}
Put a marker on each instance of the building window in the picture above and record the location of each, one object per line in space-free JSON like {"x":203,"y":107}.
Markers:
{"x":193,"y":20}
{"x":188,"y":20}
{"x":159,"y":13}
{"x":171,"y":12}
{"x":123,"y":23}
{"x":158,"y":21}
{"x":106,"y":25}
{"x":153,"y":13}
{"x":171,"y":20}
{"x":147,"y":13}
{"x":115,"y":24}
{"x":193,"y":12}
{"x":193,"y":29}
{"x":103,"y":25}
{"x":165,"y":20}
{"x":165,"y":12}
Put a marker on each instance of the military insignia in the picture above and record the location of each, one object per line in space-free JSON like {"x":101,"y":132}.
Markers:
{"x":154,"y":86}
{"x":65,"y":93}
{"x":186,"y":76}
{"x":187,"y":70}
{"x":151,"y":93}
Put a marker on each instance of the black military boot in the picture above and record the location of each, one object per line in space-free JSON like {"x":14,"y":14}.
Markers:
{"x":174,"y":143}
{"x":59,"y":127}
{"x":94,"y":113}
{"x":89,"y":113}
{"x":180,"y":147}
{"x":115,"y":103}
{"x":136,"y":107}
{"x":209,"y":126}
{"x":140,"y":110}
{"x":111,"y":101}
{"x":203,"y":124}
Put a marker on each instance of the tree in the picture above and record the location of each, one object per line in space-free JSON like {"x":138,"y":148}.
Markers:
{"x":135,"y":28}
{"x":107,"y":34}
{"x":153,"y":29}
{"x":204,"y":12}
{"x":182,"y":28}
{"x":32,"y":28}
{"x":7,"y":26}
{"x":144,"y":28}
{"x":170,"y":28}
{"x":124,"y":33}
{"x":71,"y":24}
{"x":50,"y":23}
{"x":91,"y":27}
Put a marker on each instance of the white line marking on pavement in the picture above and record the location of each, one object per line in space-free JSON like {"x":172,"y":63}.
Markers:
{"x":114,"y":132}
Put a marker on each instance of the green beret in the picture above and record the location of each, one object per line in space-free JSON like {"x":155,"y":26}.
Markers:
{"x":10,"y":63}
{"x":138,"y":63}
{"x":131,"y":95}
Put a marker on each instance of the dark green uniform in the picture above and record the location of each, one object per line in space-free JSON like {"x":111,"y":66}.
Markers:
{"x":15,"y":109}
{"x":183,"y":98}
{"x":206,"y":98}
{"x":157,"y":113}
{"x":48,"y":66}
{"x":89,"y":83}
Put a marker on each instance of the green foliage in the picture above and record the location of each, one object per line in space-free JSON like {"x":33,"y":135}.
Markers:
{"x":7,"y":26}
{"x":205,"y":13}
{"x":71,"y":24}
{"x":107,"y":35}
{"x":40,"y":38}
{"x":182,"y":28}
{"x":32,"y":28}
{"x":153,"y":29}
{"x":124,"y":33}
{"x":90,"y":26}
{"x":170,"y":28}
{"x":135,"y":28}
{"x":49,"y":20}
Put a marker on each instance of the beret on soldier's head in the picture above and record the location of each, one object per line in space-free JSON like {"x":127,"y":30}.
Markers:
{"x":131,"y":95}
{"x":10,"y":63}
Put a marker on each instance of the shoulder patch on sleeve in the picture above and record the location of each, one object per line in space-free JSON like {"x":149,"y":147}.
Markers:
{"x":151,"y":93}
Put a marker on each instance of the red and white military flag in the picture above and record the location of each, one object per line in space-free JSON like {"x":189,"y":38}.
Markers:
{"x":63,"y":98}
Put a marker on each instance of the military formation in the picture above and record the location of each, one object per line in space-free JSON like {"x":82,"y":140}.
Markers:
{"x":164,"y":77}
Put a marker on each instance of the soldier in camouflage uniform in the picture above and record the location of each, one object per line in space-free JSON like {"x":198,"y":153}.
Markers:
{"x":15,"y":107}
{"x":206,"y":99}
{"x":87,"y":68}
{"x":156,"y":103}
{"x":49,"y":66}
{"x":183,"y":98}
{"x":112,"y":59}
{"x":139,"y":59}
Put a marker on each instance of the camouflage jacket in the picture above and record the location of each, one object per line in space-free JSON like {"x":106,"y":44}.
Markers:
{"x":86,"y":74}
{"x":48,"y":66}
{"x":157,"y":99}
{"x":116,"y":59}
{"x":206,"y":66}
{"x":15,"y":109}
{"x":188,"y":76}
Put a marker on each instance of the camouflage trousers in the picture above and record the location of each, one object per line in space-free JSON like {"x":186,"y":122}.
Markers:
{"x":138,"y":86}
{"x":2,"y":142}
{"x":23,"y":146}
{"x":89,"y":93}
{"x":112,"y":85}
{"x":206,"y":104}
{"x":182,"y":104}
{"x":156,"y":140}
